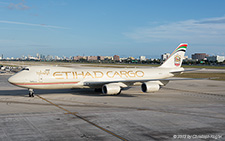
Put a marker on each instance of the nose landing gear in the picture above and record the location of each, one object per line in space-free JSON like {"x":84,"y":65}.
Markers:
{"x":31,"y":92}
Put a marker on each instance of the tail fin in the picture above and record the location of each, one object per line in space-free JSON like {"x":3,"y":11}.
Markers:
{"x":176,"y":58}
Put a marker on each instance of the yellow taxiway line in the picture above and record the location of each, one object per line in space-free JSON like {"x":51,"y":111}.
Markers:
{"x":80,"y":117}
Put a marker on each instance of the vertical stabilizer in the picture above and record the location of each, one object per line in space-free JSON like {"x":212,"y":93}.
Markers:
{"x":176,"y":58}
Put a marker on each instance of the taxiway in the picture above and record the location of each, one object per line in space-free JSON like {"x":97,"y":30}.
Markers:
{"x":186,"y":110}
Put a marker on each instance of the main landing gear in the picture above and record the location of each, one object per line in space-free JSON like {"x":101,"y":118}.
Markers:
{"x":31,"y":92}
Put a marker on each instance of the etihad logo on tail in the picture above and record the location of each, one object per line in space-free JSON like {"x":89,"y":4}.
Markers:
{"x":177,"y":60}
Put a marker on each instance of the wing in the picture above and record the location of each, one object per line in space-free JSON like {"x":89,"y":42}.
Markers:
{"x":184,"y":70}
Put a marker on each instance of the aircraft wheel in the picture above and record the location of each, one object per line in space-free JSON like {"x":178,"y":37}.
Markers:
{"x":31,"y":92}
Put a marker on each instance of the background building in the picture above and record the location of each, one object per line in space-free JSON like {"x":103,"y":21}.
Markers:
{"x":215,"y":58}
{"x":108,"y":58}
{"x":142,"y":58}
{"x":199,"y":56}
{"x":165,"y":56}
{"x":91,"y":58}
{"x":100,"y":57}
{"x":78,"y":58}
{"x":116,"y":58}
{"x":38,"y":56}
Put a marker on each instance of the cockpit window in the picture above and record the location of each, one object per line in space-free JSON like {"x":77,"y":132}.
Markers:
{"x":25,"y":69}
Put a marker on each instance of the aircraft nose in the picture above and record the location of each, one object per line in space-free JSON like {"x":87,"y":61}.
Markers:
{"x":12,"y":80}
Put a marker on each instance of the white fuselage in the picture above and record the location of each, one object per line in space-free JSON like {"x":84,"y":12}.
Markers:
{"x":45,"y":77}
{"x":111,"y":81}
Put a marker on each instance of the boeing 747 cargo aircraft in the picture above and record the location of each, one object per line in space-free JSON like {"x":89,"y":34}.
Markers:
{"x":110,"y":80}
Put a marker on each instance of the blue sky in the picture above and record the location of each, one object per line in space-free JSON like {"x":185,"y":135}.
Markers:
{"x":109,"y":27}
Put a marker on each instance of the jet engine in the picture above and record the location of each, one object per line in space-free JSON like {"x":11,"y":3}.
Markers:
{"x":111,"y":89}
{"x":150,"y":87}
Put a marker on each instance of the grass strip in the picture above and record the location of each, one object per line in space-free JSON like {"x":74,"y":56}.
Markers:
{"x":211,"y":76}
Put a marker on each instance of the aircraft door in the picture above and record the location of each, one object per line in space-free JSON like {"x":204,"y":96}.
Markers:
{"x":43,"y":74}
{"x":40,"y":78}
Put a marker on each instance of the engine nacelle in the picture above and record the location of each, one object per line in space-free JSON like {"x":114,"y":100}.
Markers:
{"x":150,"y":87}
{"x":111,"y":89}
